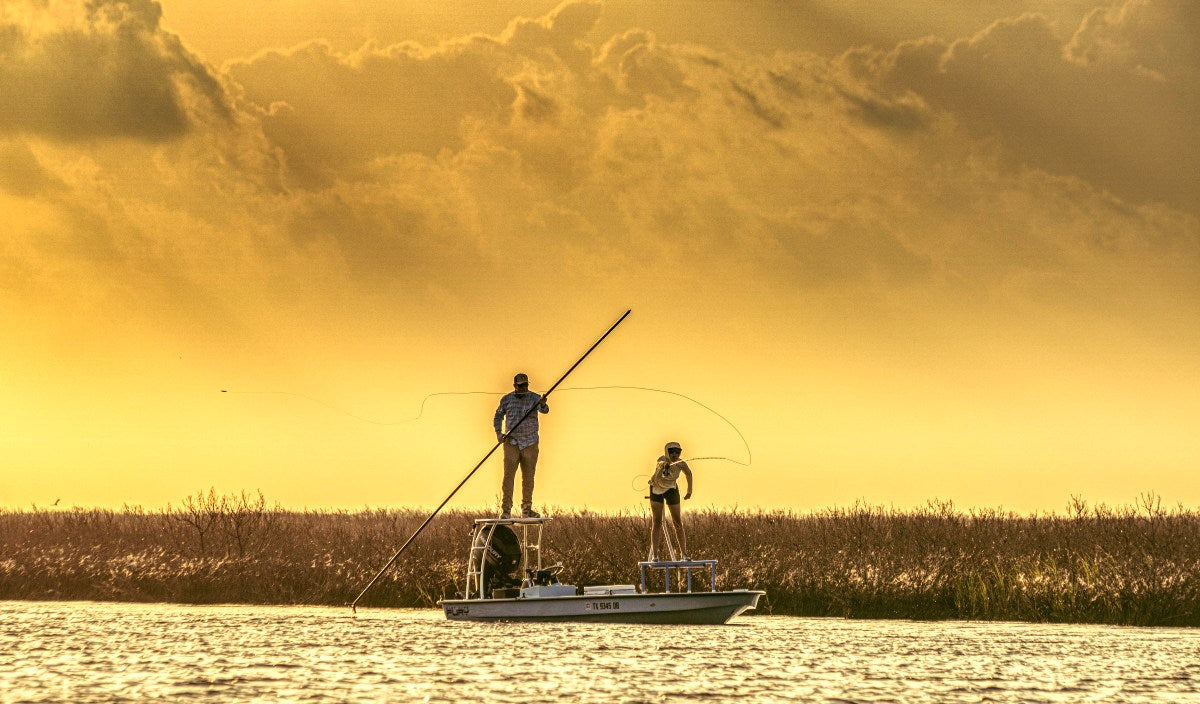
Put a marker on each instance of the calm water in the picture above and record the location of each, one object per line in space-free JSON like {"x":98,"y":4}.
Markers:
{"x":90,"y":652}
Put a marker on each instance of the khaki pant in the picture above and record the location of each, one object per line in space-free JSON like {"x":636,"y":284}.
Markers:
{"x":527,"y":458}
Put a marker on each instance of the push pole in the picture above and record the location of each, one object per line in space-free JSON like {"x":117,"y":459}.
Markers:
{"x":503,"y":439}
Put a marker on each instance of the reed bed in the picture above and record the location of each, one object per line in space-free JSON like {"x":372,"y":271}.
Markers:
{"x":1132,"y":565}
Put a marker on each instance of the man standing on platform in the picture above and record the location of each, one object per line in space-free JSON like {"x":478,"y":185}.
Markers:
{"x":522,"y":445}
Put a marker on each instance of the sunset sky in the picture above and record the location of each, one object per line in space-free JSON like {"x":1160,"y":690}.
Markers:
{"x":911,"y":250}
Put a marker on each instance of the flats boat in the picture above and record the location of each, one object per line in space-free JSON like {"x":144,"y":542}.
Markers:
{"x":507,"y":582}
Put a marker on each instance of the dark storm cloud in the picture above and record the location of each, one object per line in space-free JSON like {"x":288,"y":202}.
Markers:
{"x":114,"y":74}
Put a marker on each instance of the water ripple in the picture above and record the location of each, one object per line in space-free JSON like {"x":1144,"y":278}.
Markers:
{"x":92,"y":652}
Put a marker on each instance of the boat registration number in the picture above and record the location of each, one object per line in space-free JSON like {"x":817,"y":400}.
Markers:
{"x":601,"y":605}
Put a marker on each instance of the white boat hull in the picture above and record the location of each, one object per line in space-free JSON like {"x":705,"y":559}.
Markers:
{"x":665,"y":607}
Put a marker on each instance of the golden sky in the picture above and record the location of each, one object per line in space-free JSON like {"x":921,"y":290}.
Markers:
{"x":909,"y":251}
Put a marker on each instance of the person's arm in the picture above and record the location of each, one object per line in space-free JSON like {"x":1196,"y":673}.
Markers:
{"x":542,"y":406}
{"x":496,"y":420}
{"x":687,"y":472}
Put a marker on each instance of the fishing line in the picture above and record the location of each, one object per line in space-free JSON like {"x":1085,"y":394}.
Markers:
{"x":710,"y":409}
{"x":749,"y":456}
{"x":424,"y":401}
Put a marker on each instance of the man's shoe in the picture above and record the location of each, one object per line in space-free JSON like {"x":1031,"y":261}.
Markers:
{"x":505,"y":515}
{"x":530,"y":513}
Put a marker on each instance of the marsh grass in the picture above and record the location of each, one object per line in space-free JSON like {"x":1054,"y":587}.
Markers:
{"x":1134,"y":565}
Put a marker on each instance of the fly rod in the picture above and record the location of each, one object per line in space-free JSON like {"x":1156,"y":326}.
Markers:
{"x":503,"y":439}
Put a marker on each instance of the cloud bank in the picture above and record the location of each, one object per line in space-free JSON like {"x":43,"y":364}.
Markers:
{"x":537,"y":142}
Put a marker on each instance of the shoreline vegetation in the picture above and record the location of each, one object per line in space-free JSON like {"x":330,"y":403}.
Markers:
{"x":1136,"y":565}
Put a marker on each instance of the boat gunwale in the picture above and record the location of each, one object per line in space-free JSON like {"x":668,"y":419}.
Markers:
{"x":595,"y":597}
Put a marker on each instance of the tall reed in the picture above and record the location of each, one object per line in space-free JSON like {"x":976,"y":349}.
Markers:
{"x":1136,"y":565}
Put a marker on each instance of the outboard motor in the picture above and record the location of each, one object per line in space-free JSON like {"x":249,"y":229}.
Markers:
{"x":501,"y":560}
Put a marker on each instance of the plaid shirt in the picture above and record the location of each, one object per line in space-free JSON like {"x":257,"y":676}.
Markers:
{"x":513,"y":408}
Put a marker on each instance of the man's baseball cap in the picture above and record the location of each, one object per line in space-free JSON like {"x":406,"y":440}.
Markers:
{"x":520,"y":379}
{"x":674,"y":446}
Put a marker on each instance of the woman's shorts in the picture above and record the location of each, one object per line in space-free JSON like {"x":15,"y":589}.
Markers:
{"x":671,"y":497}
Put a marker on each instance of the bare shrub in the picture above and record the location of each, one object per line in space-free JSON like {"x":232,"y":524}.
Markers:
{"x":1136,"y":564}
{"x":201,"y":512}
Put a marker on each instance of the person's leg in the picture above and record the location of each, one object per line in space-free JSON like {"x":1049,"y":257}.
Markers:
{"x":677,"y":518}
{"x":656,"y":513}
{"x":511,"y":456}
{"x":529,"y":458}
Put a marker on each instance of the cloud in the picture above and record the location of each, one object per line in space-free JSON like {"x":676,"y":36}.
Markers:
{"x":330,"y":113}
{"x":559,"y":32}
{"x":111,"y":72}
{"x":401,"y":228}
{"x":1145,"y":39}
{"x":1116,"y":104}
{"x":430,"y":170}
{"x":21,"y":174}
